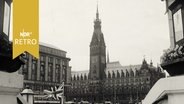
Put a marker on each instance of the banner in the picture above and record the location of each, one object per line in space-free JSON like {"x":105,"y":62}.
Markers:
{"x":25,"y":27}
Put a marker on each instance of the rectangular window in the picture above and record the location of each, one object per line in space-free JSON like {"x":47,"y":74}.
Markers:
{"x":34,"y":69}
{"x":50,"y":71}
{"x":42,"y":58}
{"x":57,"y":73}
{"x":34,"y":66}
{"x":57,"y":61}
{"x":178,"y":25}
{"x":42,"y":72}
{"x":6,"y":18}
{"x":25,"y":76}
{"x":50,"y":59}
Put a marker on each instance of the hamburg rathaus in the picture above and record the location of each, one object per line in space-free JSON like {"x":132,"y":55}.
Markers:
{"x":110,"y":81}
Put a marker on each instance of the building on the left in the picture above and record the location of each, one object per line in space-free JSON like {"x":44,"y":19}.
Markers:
{"x":7,"y":63}
{"x":51,"y":69}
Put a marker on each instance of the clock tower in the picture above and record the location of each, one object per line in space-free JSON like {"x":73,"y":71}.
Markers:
{"x":97,"y":52}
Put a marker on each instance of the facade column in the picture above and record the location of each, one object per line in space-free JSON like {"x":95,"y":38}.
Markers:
{"x":69,"y":76}
{"x":61,"y":70}
{"x":46,"y":68}
{"x":38,"y":69}
{"x":67,"y":71}
{"x":29,"y":67}
{"x":54,"y":70}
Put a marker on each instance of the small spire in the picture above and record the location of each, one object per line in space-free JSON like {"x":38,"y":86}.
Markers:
{"x":144,"y":64}
{"x":144,"y":59}
{"x":151,"y":62}
{"x":97,"y":14}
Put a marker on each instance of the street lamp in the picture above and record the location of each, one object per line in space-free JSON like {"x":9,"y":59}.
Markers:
{"x":28,"y":95}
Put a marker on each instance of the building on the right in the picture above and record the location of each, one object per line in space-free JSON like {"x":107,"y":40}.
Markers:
{"x":173,"y":58}
{"x":170,"y":90}
{"x":175,"y":11}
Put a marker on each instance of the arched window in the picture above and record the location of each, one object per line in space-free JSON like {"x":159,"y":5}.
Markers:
{"x":122,"y":74}
{"x":136,"y":72}
{"x":127,"y":73}
{"x":118,"y":75}
{"x":131,"y":73}
{"x":77,"y":77}
{"x":81,"y":77}
{"x":113,"y":74}
{"x":85,"y":77}
{"x":74,"y":78}
{"x":109,"y":74}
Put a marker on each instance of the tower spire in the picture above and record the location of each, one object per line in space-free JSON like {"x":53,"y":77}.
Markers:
{"x":97,"y":52}
{"x":97,"y":13}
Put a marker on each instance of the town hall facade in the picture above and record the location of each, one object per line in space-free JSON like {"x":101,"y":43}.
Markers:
{"x":110,"y":81}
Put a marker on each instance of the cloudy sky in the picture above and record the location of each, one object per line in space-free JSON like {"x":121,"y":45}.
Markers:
{"x":132,"y":29}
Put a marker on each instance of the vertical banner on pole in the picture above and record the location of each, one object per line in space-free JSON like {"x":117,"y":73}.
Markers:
{"x":63,"y":93}
{"x":25,"y":27}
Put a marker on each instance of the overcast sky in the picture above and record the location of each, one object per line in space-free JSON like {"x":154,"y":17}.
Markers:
{"x":131,"y":28}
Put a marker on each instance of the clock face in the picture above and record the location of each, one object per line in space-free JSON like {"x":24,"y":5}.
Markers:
{"x":94,"y":59}
{"x":103,"y":59}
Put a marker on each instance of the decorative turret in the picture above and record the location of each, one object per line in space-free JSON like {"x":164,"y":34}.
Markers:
{"x":144,"y":64}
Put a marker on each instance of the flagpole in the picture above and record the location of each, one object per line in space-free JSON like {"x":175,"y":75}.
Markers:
{"x":62,"y":96}
{"x":62,"y":100}
{"x":63,"y":92}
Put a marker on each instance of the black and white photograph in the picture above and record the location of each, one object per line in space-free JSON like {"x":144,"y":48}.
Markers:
{"x":94,"y":52}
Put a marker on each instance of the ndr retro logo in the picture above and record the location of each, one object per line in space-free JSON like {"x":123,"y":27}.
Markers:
{"x":25,"y":38}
